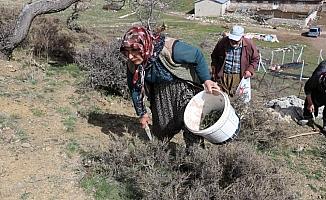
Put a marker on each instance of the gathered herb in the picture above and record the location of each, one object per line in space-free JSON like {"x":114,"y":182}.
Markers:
{"x":210,"y":119}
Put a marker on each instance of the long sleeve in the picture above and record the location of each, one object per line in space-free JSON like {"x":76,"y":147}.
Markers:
{"x":215,"y":55}
{"x":218,"y":54}
{"x":310,"y":85}
{"x":136,"y":95}
{"x":313,"y":85}
{"x":185,"y":53}
{"x":254,"y":59}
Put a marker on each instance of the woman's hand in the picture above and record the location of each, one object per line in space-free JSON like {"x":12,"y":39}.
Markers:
{"x":310,"y":105}
{"x":247,"y":74}
{"x":311,"y":108}
{"x":210,"y":86}
{"x":144,"y":120}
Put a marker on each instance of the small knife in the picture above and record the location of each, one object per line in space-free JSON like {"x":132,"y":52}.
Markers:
{"x":148,"y":132}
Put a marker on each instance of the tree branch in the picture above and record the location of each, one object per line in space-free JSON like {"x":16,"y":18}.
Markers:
{"x":25,"y":18}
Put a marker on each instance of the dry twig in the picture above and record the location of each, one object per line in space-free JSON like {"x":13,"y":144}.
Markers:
{"x":303,"y":134}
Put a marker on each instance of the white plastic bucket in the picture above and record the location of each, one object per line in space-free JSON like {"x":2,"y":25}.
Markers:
{"x":227,"y":126}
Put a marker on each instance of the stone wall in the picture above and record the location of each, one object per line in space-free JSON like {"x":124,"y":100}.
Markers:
{"x":269,"y":6}
{"x":286,"y":22}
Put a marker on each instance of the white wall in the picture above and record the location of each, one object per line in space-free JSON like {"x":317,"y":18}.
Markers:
{"x":310,"y":18}
{"x":209,"y":9}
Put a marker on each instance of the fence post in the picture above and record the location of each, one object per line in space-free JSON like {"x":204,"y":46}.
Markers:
{"x":299,"y":57}
{"x":301,"y":70}
{"x":261,"y":64}
{"x":292,"y":55}
{"x":300,"y":89}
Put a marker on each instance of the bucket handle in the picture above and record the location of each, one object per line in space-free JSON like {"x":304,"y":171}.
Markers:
{"x":216,"y":92}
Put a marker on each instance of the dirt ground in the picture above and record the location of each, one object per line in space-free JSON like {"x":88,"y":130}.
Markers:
{"x":38,"y":158}
{"x":44,"y":129}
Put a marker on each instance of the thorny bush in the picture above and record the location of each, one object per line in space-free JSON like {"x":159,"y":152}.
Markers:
{"x":7,"y":23}
{"x":157,"y":171}
{"x":50,"y":38}
{"x":106,"y":67}
{"x":257,"y":126}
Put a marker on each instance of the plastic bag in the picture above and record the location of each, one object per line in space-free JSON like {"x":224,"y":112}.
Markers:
{"x":244,"y":90}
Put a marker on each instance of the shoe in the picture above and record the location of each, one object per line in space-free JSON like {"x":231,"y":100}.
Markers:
{"x":304,"y":122}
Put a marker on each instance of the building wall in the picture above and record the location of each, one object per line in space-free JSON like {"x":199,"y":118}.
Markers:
{"x":209,"y":9}
{"x":265,"y":5}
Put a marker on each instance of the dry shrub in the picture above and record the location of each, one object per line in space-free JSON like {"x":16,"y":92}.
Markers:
{"x":257,"y":126}
{"x":249,"y":175}
{"x":7,"y":22}
{"x":106,"y":67}
{"x":49,"y":38}
{"x":156,"y":171}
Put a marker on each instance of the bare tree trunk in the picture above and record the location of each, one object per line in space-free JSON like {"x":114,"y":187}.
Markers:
{"x":24,"y":21}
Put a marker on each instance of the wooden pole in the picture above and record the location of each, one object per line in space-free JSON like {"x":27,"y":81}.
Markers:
{"x":301,"y":86}
{"x":292,"y":55}
{"x":261,"y":80}
{"x":303,"y":134}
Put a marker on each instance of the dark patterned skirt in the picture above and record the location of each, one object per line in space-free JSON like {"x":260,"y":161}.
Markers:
{"x":168,"y":102}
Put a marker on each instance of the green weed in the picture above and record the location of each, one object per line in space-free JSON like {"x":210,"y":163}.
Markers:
{"x":313,"y":188}
{"x":70,"y":123}
{"x":25,"y":196}
{"x":70,"y":69}
{"x":309,"y":174}
{"x":64,"y":111}
{"x":37,"y":112}
{"x":22,"y":135}
{"x":68,"y":118}
{"x":8,"y":121}
{"x":103,"y":189}
{"x":72,"y":147}
{"x":317,"y":174}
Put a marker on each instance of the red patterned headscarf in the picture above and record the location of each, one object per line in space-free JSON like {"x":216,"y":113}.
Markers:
{"x":139,"y":37}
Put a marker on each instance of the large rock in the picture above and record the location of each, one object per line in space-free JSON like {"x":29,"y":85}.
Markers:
{"x":291,"y":106}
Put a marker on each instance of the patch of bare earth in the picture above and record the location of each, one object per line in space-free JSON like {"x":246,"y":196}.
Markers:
{"x":38,"y":159}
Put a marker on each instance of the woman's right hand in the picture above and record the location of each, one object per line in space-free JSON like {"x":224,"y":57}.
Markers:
{"x":209,"y":86}
{"x":310,"y":105}
{"x":144,"y":120}
{"x":311,"y":108}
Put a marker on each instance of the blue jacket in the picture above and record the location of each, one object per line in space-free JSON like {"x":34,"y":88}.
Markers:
{"x":176,"y":60}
